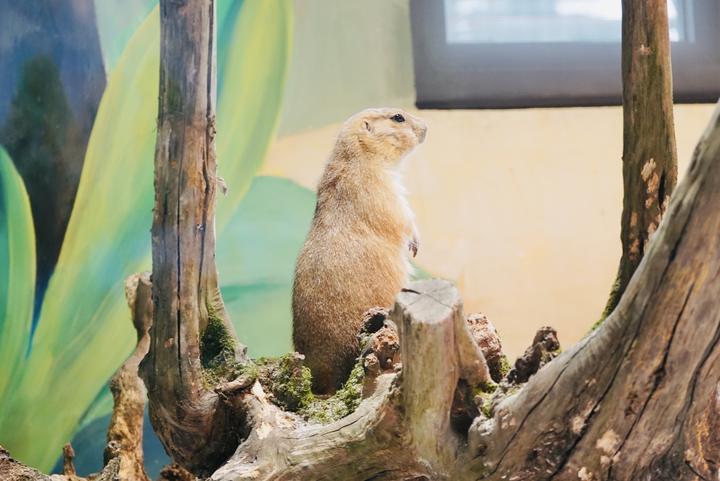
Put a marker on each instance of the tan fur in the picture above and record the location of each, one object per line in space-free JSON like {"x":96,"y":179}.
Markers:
{"x":356,"y":254}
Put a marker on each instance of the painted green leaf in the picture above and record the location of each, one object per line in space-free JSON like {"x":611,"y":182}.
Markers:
{"x":84,"y":331}
{"x":252,"y":81}
{"x":17,"y":274}
{"x":257,"y":255}
{"x":114,"y":29}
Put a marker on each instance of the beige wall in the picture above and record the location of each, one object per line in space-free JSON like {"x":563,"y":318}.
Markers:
{"x":520,"y":207}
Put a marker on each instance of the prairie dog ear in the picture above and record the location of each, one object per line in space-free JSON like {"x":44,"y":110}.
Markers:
{"x":367,"y":126}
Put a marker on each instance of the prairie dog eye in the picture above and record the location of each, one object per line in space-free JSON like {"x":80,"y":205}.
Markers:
{"x":397,"y":118}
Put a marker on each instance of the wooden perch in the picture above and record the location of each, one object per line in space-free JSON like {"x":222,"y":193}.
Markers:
{"x":401,"y":431}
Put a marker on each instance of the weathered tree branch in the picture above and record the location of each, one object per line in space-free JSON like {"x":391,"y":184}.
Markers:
{"x":638,"y":398}
{"x":197,"y":430}
{"x":125,"y":433}
{"x":649,"y":151}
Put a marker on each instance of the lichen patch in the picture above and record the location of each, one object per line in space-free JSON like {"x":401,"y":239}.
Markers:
{"x":584,"y":474}
{"x":577,"y":424}
{"x":647,"y":169}
{"x":653,"y":184}
{"x":608,"y":442}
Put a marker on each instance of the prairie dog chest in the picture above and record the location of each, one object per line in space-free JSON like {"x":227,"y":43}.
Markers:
{"x":399,"y":194}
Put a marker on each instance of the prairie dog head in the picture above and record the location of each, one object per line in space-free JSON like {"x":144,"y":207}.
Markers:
{"x":387,"y":133}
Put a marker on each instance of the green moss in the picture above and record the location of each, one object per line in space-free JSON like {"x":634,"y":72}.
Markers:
{"x":216,"y":343}
{"x":484,"y":394}
{"x":289,"y":381}
{"x":217,"y":353}
{"x":219,"y":371}
{"x":505,"y":366}
{"x":342,"y":403}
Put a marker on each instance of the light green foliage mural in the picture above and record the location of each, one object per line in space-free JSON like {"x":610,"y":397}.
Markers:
{"x":83,"y":332}
{"x":256,"y":255}
{"x":117,"y":22}
{"x":17,"y":274}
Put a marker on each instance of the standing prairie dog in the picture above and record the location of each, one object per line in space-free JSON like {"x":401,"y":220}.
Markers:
{"x":356,"y":255}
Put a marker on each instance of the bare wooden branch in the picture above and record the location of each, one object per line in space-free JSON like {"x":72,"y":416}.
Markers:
{"x":195,"y":427}
{"x":125,"y":433}
{"x":68,"y":461}
{"x":649,"y":151}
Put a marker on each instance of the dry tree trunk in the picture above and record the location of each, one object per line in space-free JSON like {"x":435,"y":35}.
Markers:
{"x":649,"y":152}
{"x":195,"y":429}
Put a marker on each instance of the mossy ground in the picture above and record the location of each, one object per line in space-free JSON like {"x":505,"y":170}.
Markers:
{"x":285,"y":378}
{"x":343,"y":402}
{"x":289,"y":382}
{"x":217,"y":353}
{"x":484,"y":394}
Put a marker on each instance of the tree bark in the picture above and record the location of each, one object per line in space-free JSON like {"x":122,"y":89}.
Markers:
{"x":649,"y":151}
{"x":125,"y":433}
{"x":196,"y":430}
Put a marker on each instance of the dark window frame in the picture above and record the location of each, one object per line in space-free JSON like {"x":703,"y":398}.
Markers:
{"x":514,"y":75}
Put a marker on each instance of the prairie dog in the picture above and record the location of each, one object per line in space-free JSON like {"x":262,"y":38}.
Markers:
{"x":356,"y":255}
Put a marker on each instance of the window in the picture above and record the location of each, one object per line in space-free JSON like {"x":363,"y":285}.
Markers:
{"x":524,"y":53}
